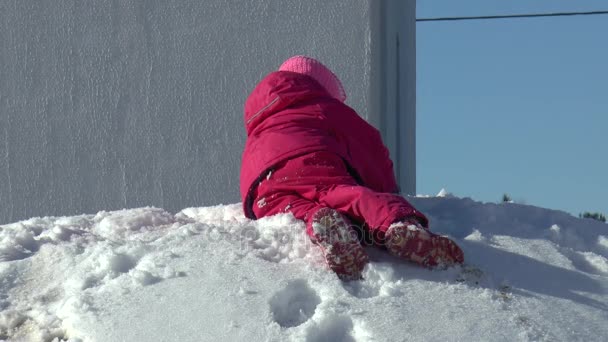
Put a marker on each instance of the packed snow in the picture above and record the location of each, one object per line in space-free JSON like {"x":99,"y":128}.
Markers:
{"x":210,"y":274}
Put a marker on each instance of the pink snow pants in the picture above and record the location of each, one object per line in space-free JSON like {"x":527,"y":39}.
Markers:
{"x":307,"y":183}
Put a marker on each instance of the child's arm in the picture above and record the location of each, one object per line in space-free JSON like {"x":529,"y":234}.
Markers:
{"x":382,"y":178}
{"x":369,"y":157}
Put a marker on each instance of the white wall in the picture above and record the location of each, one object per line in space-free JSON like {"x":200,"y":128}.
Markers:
{"x":393,"y":86}
{"x":108,"y":104}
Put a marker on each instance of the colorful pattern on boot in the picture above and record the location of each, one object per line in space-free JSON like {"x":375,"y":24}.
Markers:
{"x":410,"y":241}
{"x":341,"y":248}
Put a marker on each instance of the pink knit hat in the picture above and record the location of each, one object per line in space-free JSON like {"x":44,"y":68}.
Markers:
{"x":315,"y":69}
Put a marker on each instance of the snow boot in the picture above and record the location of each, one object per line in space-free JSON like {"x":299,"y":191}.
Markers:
{"x":410,"y":241}
{"x":341,"y":248}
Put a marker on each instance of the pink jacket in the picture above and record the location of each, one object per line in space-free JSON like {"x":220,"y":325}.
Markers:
{"x":290,"y":114}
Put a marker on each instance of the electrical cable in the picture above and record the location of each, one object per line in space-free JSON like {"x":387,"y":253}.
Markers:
{"x":512,"y":16}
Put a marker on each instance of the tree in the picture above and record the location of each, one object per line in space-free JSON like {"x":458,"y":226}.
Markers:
{"x":506,"y":198}
{"x":593,"y":216}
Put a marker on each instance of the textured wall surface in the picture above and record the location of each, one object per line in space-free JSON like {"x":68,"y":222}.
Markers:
{"x":395,"y":94}
{"x":113,"y":104}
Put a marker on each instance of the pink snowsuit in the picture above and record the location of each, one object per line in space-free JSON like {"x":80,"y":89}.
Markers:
{"x":306,"y":150}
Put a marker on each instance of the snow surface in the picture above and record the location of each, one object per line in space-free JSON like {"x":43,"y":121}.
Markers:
{"x":210,"y":274}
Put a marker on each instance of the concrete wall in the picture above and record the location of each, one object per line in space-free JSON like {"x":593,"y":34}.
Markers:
{"x":393,"y":84}
{"x":111,"y":104}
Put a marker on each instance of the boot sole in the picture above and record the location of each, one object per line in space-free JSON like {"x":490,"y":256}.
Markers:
{"x":341,"y":248}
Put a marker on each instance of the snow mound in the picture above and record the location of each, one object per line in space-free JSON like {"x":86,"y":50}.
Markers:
{"x":444,"y":193}
{"x":208,"y":274}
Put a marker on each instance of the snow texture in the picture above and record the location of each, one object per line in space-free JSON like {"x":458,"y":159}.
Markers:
{"x":210,"y":274}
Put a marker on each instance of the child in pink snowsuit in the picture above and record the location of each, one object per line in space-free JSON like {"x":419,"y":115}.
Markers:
{"x":309,"y":154}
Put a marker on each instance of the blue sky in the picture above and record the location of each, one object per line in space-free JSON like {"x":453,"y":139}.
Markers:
{"x":517,"y":106}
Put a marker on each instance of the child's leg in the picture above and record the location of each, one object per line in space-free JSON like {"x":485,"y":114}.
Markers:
{"x":271,"y":201}
{"x":394,"y":223}
{"x":326,"y":227}
{"x":378,"y":210}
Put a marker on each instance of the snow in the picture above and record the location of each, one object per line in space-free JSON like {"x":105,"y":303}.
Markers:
{"x":209,"y":274}
{"x":443,"y":193}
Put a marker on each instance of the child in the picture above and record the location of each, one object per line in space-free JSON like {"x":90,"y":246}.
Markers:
{"x":309,"y":154}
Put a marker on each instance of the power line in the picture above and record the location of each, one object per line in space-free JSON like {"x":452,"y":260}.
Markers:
{"x":511,"y":16}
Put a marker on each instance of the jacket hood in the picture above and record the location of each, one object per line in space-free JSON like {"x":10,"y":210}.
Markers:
{"x":277,"y":91}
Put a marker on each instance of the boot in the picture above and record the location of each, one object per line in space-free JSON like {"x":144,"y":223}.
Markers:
{"x":341,"y":248}
{"x":410,"y":241}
